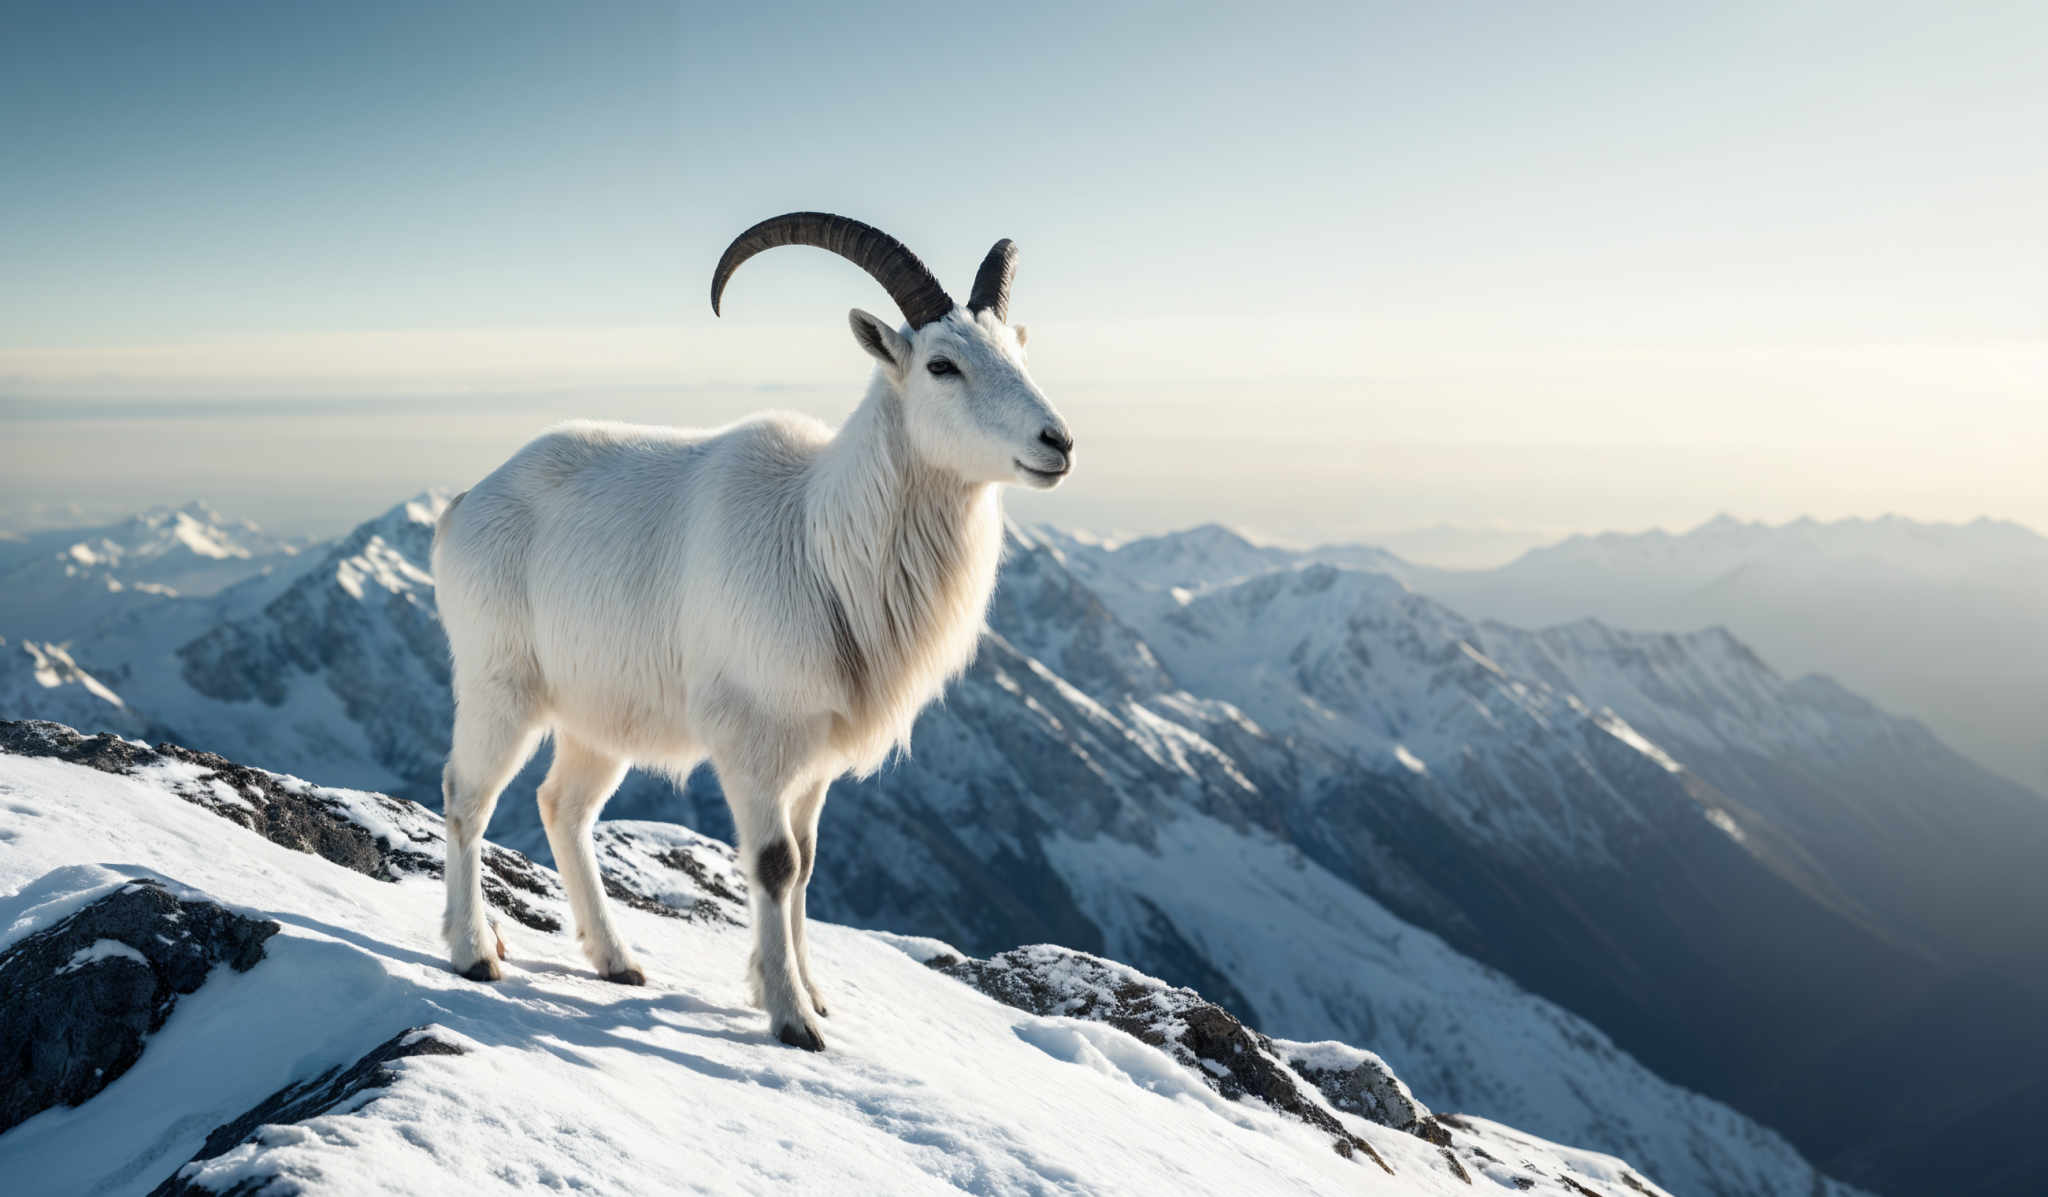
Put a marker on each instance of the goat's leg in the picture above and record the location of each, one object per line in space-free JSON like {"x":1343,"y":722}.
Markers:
{"x":491,"y":741}
{"x":759,"y":797}
{"x":803,"y":823}
{"x":578,"y":783}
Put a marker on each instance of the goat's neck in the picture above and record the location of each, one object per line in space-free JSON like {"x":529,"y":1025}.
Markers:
{"x":908,"y":551}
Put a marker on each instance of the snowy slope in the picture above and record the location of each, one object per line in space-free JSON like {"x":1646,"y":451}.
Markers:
{"x":553,"y":1078}
{"x":1896,"y":820}
{"x":40,"y":680}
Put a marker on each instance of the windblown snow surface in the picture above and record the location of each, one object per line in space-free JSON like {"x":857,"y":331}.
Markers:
{"x":555,"y":1079}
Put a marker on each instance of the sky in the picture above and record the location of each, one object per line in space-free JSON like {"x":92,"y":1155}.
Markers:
{"x":1319,"y":271}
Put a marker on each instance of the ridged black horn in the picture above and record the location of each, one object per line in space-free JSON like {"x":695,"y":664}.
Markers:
{"x":992,"y":281}
{"x":908,"y":281}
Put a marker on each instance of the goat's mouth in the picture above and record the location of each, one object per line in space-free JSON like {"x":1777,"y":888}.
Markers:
{"x":1042,"y":479}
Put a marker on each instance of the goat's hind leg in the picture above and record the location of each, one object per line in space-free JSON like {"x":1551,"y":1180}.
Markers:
{"x":578,"y":783}
{"x":803,"y":822}
{"x":760,"y":800}
{"x":491,"y":741}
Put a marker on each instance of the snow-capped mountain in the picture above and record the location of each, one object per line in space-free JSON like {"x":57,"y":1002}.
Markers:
{"x":351,"y":651}
{"x":1269,"y":776}
{"x":1880,"y":873}
{"x":43,"y":678}
{"x":58,"y":584}
{"x":1944,"y":622}
{"x":336,"y":1053}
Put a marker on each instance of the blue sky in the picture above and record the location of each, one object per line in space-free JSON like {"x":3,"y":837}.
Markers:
{"x":1769,"y":259}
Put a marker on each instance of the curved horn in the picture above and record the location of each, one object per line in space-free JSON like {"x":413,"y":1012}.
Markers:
{"x":913,"y":286}
{"x":992,"y":281}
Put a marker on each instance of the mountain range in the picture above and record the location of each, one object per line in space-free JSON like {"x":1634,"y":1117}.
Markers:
{"x":1293,"y":782}
{"x":1943,"y":622}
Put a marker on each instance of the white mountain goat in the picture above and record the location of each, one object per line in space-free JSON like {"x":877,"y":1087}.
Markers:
{"x":776,"y":596}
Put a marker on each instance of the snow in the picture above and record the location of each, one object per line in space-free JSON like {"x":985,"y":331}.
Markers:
{"x":571,"y":1082}
{"x":1309,"y":950}
{"x":102,"y":949}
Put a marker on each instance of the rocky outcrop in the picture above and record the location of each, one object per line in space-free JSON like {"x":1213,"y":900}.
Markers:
{"x":670,"y":870}
{"x":378,"y":836}
{"x":1311,"y":1082}
{"x":78,"y":999}
{"x":1358,"y":1082}
{"x":1231,"y":1058}
{"x":323,"y":1094}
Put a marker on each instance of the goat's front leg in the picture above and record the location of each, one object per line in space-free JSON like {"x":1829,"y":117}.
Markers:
{"x":761,"y":805}
{"x":803,"y":822}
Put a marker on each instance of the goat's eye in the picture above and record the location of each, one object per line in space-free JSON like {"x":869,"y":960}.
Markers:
{"x":940,"y":367}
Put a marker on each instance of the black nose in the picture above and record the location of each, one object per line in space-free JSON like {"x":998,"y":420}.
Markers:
{"x":1056,"y":439}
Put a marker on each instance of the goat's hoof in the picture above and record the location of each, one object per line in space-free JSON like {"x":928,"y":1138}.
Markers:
{"x":818,"y":1004}
{"x":483,"y":970}
{"x":799,"y":1035}
{"x":627,"y":976}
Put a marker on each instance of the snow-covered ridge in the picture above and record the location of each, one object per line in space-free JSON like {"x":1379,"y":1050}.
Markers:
{"x":349,"y":1055}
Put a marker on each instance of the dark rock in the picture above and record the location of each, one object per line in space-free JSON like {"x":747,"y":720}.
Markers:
{"x":78,"y":999}
{"x":299,"y":816}
{"x":1208,"y":1040}
{"x":1360,"y":1083}
{"x":671,"y":871}
{"x":310,"y":1099}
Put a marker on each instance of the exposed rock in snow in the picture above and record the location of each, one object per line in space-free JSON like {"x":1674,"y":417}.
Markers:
{"x":1358,"y":1082}
{"x":231,"y":1160}
{"x":1207,"y":1040}
{"x":79,"y":998}
{"x":375,"y":835}
{"x":668,"y":869}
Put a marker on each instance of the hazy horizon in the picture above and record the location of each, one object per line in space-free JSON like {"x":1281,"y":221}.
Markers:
{"x":335,"y":505}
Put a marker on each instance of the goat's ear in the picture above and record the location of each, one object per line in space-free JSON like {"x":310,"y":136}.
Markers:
{"x":882,"y":342}
{"x":1023,"y":334}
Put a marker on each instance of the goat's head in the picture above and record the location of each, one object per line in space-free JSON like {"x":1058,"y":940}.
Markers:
{"x":968,"y":402}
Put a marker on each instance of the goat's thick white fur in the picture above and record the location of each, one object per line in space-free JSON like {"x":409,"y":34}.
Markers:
{"x":775,"y":596}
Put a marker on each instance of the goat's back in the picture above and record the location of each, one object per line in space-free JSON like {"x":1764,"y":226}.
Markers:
{"x":609,"y":570}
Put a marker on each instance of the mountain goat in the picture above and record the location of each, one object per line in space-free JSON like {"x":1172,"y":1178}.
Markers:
{"x":775,"y":596}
